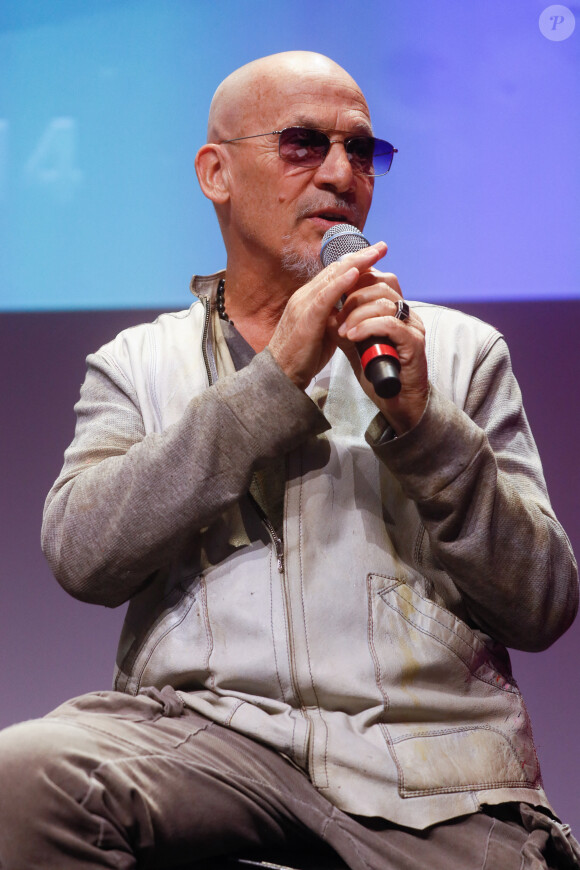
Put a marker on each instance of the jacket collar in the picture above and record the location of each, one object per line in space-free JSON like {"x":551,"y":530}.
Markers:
{"x":205,"y":286}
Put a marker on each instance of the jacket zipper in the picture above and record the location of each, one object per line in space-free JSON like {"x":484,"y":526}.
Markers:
{"x":275,"y":538}
{"x":208,"y":371}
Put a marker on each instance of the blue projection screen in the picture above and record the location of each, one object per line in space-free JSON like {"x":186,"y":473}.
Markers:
{"x":103,"y":104}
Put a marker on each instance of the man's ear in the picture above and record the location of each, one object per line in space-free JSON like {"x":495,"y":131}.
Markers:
{"x":212,"y":173}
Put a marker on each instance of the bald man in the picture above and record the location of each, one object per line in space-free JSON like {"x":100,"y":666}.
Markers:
{"x":321,"y":582}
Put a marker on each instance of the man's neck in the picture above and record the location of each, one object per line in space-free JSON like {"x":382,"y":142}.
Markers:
{"x":256,"y":304}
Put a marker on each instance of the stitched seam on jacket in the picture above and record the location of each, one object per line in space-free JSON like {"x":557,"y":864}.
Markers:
{"x":152,"y":371}
{"x":456,"y":653}
{"x":478,"y":786}
{"x":513,"y":685}
{"x":138,"y":677}
{"x":312,"y":685}
{"x":273,"y":633}
{"x":378,"y":677}
{"x":209,"y":633}
{"x":126,"y":672}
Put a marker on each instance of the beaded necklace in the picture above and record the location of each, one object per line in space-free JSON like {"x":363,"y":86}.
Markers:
{"x":221,"y":302}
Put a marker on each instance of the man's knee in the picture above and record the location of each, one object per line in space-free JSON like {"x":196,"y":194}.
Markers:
{"x":46,"y":771}
{"x":39,"y":757}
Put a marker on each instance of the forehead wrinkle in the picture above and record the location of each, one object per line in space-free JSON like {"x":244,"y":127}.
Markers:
{"x":311,"y":123}
{"x":315,"y":109}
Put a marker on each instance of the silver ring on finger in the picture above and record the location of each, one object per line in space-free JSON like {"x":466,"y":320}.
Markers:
{"x":402,"y":312}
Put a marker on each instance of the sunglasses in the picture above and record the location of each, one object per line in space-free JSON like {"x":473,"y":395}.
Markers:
{"x":304,"y":146}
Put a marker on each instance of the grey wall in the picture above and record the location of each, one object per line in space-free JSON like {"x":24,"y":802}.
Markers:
{"x":52,"y":647}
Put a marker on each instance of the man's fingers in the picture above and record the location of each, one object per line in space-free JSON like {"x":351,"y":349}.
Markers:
{"x":389,"y":327}
{"x":363,"y":259}
{"x":373,"y":286}
{"x":337,"y":279}
{"x":302,"y":343}
{"x":373,"y":277}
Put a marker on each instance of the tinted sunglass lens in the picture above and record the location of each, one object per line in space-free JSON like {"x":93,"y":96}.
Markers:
{"x":370,"y":156}
{"x":303,"y":146}
{"x":360,"y":152}
{"x":383,"y":156}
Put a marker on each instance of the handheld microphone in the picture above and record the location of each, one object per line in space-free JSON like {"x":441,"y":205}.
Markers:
{"x":378,"y":356}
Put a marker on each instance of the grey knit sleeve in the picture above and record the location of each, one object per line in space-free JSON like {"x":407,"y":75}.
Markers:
{"x":476,"y":478}
{"x":125,"y":501}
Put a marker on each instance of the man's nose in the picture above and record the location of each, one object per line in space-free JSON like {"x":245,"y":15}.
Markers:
{"x":336,"y":170}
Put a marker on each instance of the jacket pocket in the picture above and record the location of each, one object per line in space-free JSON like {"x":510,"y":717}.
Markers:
{"x":453,"y":717}
{"x":153,"y":652}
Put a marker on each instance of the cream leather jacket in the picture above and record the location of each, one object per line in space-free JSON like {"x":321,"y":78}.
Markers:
{"x":302,"y":576}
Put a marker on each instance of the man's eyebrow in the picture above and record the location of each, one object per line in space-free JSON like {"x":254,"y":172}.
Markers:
{"x":361,"y":128}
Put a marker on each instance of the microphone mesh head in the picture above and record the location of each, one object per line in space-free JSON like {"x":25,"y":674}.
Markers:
{"x":341,"y":239}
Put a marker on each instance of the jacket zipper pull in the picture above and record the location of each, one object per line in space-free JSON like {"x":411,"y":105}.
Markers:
{"x":279,"y":552}
{"x":276,"y":540}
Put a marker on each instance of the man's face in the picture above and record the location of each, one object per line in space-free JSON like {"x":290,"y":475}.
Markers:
{"x":279,"y":212}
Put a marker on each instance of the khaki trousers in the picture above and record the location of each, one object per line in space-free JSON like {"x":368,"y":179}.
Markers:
{"x":112,"y":780}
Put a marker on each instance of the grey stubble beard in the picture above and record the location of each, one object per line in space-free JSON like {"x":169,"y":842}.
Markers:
{"x":304,"y":266}
{"x":301,"y":266}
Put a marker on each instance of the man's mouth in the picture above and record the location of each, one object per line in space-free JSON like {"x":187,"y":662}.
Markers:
{"x":331,"y":217}
{"x":337,"y":218}
{"x":324,"y":213}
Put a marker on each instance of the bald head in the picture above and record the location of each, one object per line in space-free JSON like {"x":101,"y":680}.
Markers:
{"x":248,"y":94}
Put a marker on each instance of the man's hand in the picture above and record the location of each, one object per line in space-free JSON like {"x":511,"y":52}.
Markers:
{"x":306,"y":335}
{"x":311,"y":328}
{"x":369,"y":310}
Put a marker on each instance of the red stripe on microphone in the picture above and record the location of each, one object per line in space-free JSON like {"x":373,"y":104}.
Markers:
{"x":378,"y":350}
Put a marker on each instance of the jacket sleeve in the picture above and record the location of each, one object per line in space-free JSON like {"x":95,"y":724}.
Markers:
{"x":126,"y":501}
{"x":476,"y":478}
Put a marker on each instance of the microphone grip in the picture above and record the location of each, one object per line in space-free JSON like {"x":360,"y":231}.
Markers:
{"x":381,"y":365}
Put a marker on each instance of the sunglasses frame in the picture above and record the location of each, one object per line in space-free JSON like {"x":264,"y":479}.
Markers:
{"x":330,"y":141}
